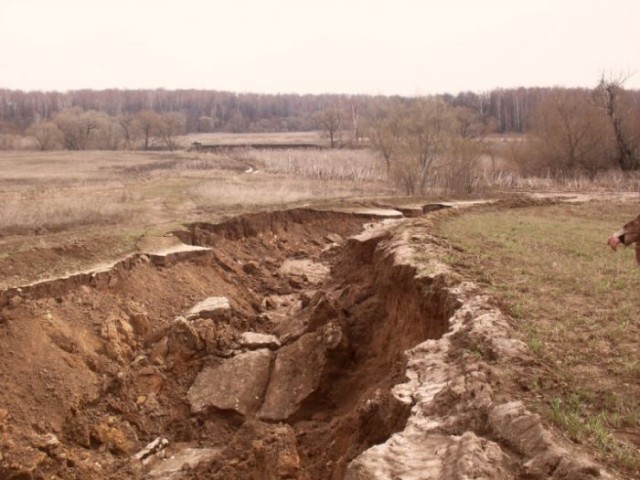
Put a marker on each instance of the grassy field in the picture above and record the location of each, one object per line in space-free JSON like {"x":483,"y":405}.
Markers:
{"x":576,"y":304}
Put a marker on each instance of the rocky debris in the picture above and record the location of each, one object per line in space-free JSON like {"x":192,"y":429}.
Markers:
{"x":139,"y":319}
{"x":369,"y":212}
{"x":119,"y":339}
{"x":454,"y":401}
{"x":147,"y":383}
{"x":280,"y":308}
{"x":151,"y":449}
{"x":313,"y":272}
{"x":432,"y":456}
{"x":318,"y":310}
{"x":251,"y":268}
{"x":180,"y":344}
{"x":219,"y":338}
{"x":276,"y":454}
{"x":21,"y":462}
{"x":217,"y":308}
{"x":237,"y":383}
{"x":334,"y":238}
{"x":172,"y":468}
{"x":253,"y":341}
{"x":524,"y":432}
{"x":168,"y":256}
{"x":298,"y":371}
{"x":258,"y":451}
{"x":118,"y":436}
{"x":4,"y":415}
{"x":47,"y":443}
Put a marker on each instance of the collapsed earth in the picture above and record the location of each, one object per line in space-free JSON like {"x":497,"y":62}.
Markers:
{"x":294,"y":344}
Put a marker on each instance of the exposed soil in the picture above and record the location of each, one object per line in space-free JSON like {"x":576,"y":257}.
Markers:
{"x":321,"y":351}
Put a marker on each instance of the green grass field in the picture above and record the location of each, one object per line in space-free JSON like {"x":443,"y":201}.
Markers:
{"x":577,"y":306}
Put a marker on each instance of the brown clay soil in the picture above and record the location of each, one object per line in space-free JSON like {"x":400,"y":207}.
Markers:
{"x":328,"y":353}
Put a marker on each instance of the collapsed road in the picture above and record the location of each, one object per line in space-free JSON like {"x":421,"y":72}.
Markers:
{"x":300,"y":344}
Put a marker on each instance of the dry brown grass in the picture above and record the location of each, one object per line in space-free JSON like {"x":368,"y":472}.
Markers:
{"x":313,"y":138}
{"x":52,"y":191}
{"x":353,"y":165}
{"x":39,"y":212}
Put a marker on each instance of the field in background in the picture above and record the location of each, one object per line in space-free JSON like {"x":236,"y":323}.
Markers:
{"x":576,"y":305}
{"x":311,"y":138}
{"x":111,"y":198}
{"x":50,"y":191}
{"x":64,"y":211}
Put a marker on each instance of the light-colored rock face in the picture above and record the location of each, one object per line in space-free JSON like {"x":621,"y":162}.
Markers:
{"x":253,"y":341}
{"x":172,"y":467}
{"x":297,"y":372}
{"x":238,"y":383}
{"x":313,"y":271}
{"x":212,"y":307}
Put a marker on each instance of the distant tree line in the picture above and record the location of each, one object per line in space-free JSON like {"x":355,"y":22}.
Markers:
{"x":560,"y":131}
{"x":438,"y":141}
{"x":203,"y":110}
{"x":504,"y":110}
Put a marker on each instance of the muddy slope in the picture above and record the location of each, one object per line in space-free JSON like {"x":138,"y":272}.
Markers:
{"x":288,"y":345}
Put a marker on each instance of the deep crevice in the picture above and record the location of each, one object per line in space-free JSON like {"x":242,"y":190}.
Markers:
{"x":355,"y":325}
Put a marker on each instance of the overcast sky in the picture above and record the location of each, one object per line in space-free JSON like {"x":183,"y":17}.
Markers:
{"x":407,"y":47}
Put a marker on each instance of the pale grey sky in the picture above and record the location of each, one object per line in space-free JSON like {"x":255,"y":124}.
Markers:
{"x":402,"y":47}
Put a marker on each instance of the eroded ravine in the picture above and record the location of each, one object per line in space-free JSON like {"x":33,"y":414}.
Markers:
{"x":284,"y":345}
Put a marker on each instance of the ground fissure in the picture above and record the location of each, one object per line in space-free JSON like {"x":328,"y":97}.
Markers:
{"x":299,"y":344}
{"x":295,"y":355}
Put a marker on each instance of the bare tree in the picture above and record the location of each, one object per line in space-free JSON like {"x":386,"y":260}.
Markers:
{"x":76,"y":127}
{"x":428,"y":128}
{"x":131,"y":130}
{"x":148,"y":121}
{"x":47,"y":135}
{"x":330,"y":121}
{"x":461,"y":171}
{"x":612,"y":97}
{"x":383,"y":128}
{"x":170,"y":125}
{"x":355,"y":107}
{"x":572,"y":134}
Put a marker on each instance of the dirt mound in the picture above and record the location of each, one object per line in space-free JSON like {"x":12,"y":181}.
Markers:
{"x":282,"y":346}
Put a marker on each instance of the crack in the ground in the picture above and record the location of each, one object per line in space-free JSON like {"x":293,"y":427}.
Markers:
{"x":276,"y":346}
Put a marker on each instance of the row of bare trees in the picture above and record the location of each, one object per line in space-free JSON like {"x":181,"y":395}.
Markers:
{"x":74,"y":129}
{"x":429,"y":142}
{"x":582,"y":132}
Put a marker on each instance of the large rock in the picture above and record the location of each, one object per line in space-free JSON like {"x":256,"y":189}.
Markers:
{"x":298,"y":371}
{"x":314,"y":272}
{"x":254,"y":340}
{"x":238,"y":383}
{"x":212,"y":307}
